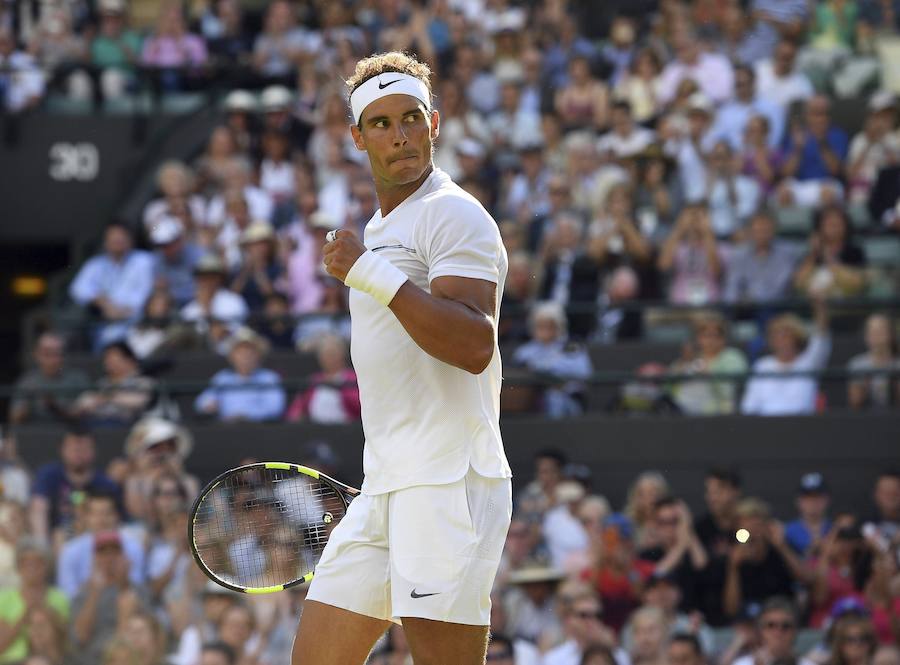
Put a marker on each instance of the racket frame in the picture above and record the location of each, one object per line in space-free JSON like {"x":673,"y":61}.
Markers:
{"x":344,"y":492}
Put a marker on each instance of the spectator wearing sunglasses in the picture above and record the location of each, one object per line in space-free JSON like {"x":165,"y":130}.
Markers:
{"x":584,"y":629}
{"x":778,"y":631}
{"x":853,"y":641}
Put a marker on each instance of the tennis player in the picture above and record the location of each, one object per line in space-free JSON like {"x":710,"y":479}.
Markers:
{"x":422,"y":544}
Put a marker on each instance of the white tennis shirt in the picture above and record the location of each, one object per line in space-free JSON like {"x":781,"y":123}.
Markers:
{"x":426,"y":422}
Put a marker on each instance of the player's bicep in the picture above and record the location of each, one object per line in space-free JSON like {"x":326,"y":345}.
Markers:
{"x":477,"y":294}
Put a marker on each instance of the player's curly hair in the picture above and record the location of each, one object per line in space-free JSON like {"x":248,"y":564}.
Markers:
{"x":394,"y":61}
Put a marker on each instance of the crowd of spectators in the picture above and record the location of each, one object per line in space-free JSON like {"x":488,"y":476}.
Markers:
{"x":95,"y":568}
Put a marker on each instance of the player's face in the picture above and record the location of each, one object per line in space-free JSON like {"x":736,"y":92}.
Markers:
{"x":397,"y":132}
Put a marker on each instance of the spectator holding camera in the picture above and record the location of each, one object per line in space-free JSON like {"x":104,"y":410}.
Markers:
{"x":834,"y":264}
{"x":692,"y":256}
{"x":761,"y":564}
{"x":793,"y":350}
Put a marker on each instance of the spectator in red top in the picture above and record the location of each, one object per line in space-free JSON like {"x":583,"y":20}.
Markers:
{"x":333,"y":396}
{"x":883,"y":596}
{"x":615,"y":573}
{"x":838,"y":569}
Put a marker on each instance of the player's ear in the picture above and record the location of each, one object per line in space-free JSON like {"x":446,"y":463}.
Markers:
{"x":358,"y":140}
{"x":435,"y":124}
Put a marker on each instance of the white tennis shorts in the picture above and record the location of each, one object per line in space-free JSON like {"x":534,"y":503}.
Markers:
{"x":430,"y":551}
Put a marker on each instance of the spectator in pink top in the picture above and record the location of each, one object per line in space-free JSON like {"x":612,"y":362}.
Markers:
{"x":333,"y":396}
{"x":172,"y":47}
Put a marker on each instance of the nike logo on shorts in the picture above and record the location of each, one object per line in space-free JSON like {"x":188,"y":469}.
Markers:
{"x":413,"y":594}
{"x":382,"y":86}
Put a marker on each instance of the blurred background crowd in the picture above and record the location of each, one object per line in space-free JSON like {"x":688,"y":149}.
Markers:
{"x":701,"y":205}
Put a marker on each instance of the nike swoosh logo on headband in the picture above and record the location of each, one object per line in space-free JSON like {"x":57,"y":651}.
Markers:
{"x":382,"y":86}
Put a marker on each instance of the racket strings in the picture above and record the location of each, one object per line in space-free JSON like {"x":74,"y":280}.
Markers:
{"x":265,"y":527}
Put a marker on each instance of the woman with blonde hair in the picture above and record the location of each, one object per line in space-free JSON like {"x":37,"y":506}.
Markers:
{"x":793,"y":350}
{"x":642,"y":496}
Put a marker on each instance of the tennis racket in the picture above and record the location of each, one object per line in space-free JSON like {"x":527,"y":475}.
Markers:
{"x":262,"y":527}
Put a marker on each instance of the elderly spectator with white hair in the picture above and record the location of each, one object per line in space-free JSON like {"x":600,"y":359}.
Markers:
{"x":175,"y":182}
{"x":550,"y":353}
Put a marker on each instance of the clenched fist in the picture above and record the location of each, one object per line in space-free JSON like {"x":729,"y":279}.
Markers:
{"x":341,"y":253}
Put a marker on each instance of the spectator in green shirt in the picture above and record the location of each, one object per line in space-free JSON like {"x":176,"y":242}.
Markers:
{"x":706,"y":355}
{"x":115,"y":50}
{"x":19,"y":605}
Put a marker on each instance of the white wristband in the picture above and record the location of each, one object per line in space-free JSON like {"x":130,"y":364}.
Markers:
{"x":376,"y":276}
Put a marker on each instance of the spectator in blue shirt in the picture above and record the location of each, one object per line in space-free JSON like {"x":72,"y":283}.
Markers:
{"x":116,"y":283}
{"x":247,"y":391}
{"x":734,"y":115}
{"x":551,"y":354}
{"x":60,"y":487}
{"x":807,"y":532}
{"x":815,"y":152}
{"x":174,"y":259}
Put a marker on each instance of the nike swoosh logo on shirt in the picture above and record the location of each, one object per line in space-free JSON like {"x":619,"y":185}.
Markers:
{"x":382,"y":86}
{"x":413,"y":594}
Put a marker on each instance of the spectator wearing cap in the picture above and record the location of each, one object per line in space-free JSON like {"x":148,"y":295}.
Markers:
{"x":116,"y":283}
{"x":761,"y":269}
{"x":49,"y":387}
{"x":176,"y":183}
{"x":873,"y":148}
{"x":761,"y":564}
{"x":531,"y":602}
{"x":121,"y":395}
{"x":282,"y":44}
{"x":680,"y":554}
{"x":876,"y":391}
{"x":733,"y":116}
{"x":246,"y":391}
{"x":778,"y":624}
{"x":60,"y":487}
{"x":814,"y":154}
{"x":835,"y":264}
{"x":109,"y":596}
{"x":115,"y":49}
{"x":214,"y":309}
{"x":614,"y":571}
{"x":305,"y":274}
{"x":102,"y":523}
{"x":18,"y":605}
{"x":805,"y":533}
{"x":551,"y":353}
{"x":625,"y":138}
{"x":711,"y":72}
{"x":332,"y":395}
{"x":22,"y":84}
{"x":793,"y":350}
{"x":174,"y":259}
{"x":260,"y":274}
{"x":240,"y":108}
{"x":276,"y":104}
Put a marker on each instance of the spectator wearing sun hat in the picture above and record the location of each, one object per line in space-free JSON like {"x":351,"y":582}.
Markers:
{"x":246,"y":391}
{"x":213,"y":303}
{"x":260,"y":274}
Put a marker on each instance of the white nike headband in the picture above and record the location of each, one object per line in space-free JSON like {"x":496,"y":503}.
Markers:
{"x":389,"y":83}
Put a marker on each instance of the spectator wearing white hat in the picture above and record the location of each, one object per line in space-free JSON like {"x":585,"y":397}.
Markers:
{"x":261,"y":273}
{"x":873,"y":148}
{"x":240,"y":108}
{"x":174,"y":258}
{"x":246,"y":391}
{"x":277,"y":106}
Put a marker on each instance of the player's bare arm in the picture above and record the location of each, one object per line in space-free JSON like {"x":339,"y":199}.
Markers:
{"x":454,"y":323}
